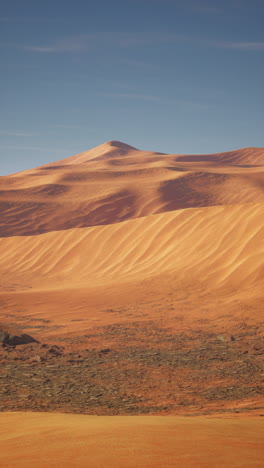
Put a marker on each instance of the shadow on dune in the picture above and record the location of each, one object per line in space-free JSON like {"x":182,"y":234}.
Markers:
{"x":177,"y":169}
{"x":248,"y":157}
{"x":50,"y":190}
{"x":247,"y":166}
{"x":31,"y":218}
{"x":194,"y":190}
{"x":54,"y":168}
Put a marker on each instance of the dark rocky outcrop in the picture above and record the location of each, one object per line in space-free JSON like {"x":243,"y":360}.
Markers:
{"x":12,"y":337}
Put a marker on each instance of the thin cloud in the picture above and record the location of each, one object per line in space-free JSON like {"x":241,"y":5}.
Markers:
{"x":244,"y":46}
{"x":73,"y":44}
{"x":14,"y":19}
{"x":33,"y":148}
{"x":207,"y":9}
{"x":15,"y":134}
{"x":66,"y":126}
{"x":186,"y":105}
{"x":85,"y":42}
{"x":72,"y":127}
{"x":142,"y":97}
{"x":139,"y":64}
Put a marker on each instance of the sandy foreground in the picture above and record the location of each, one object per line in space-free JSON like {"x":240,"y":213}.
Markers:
{"x":56,"y":440}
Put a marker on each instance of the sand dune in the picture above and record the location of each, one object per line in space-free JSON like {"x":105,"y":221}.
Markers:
{"x":116,"y":182}
{"x":204,"y":264}
{"x":217,"y":246}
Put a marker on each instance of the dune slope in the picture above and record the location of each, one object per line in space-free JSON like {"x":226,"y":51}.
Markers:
{"x":217,"y":246}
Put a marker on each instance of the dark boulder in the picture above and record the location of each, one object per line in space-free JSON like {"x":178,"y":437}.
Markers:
{"x":12,"y":337}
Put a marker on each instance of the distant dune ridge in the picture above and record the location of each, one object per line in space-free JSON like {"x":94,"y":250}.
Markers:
{"x":116,"y":182}
{"x":140,"y":274}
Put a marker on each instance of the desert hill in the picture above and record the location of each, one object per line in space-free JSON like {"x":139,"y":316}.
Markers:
{"x":116,"y":182}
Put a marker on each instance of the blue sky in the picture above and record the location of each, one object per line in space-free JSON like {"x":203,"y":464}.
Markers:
{"x":164,"y":75}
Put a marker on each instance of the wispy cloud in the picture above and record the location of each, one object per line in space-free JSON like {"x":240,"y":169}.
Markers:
{"x":106,"y":40}
{"x":209,"y":9}
{"x":29,"y":19}
{"x":33,"y":148}
{"x":66,"y":126}
{"x":139,"y":64}
{"x":192,"y":105}
{"x":72,"y":44}
{"x":142,"y":97}
{"x":72,"y":127}
{"x":205,"y":8}
{"x":243,"y":46}
{"x":85,"y":42}
{"x":15,"y":134}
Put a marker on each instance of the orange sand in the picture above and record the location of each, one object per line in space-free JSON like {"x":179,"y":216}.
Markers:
{"x":56,"y":440}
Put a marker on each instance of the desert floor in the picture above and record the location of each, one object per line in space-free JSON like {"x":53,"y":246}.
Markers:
{"x":55,"y":440}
